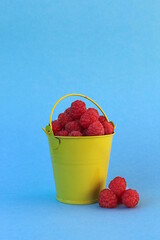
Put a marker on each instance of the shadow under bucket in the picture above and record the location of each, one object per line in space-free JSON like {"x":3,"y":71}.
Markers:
{"x":80,"y":164}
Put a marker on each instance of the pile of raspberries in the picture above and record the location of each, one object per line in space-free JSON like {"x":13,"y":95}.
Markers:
{"x":116,"y":193}
{"x":77,"y":120}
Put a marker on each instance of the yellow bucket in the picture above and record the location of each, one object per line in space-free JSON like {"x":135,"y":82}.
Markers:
{"x":80,"y":164}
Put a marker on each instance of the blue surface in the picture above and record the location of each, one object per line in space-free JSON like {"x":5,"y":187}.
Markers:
{"x":108,"y":50}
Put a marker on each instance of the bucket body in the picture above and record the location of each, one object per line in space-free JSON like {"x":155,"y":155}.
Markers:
{"x":80,"y":166}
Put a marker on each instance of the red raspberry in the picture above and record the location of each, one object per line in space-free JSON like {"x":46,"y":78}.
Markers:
{"x":107,"y":199}
{"x":102,"y":119}
{"x":75,"y":133}
{"x":55,"y":126}
{"x":85,"y":120}
{"x":73,"y":126}
{"x":89,"y":117}
{"x":61,"y":133}
{"x":95,"y":129}
{"x":78,"y":107}
{"x":64,"y":118}
{"x":118,"y":185}
{"x":130,"y":198}
{"x":108,"y":127}
{"x":68,"y":111}
{"x":93,"y":113}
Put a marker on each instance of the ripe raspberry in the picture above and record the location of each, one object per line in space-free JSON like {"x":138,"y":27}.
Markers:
{"x":108,"y":127}
{"x":73,"y":126}
{"x":93,"y":113}
{"x":102,"y":119}
{"x":95,"y":129}
{"x":75,"y":133}
{"x":89,"y":117}
{"x":85,"y":120}
{"x":107,"y":199}
{"x":55,"y":126}
{"x":61,"y":133}
{"x":64,"y":118}
{"x":118,"y":185}
{"x":130,"y":198}
{"x":68,"y":111}
{"x":78,"y":107}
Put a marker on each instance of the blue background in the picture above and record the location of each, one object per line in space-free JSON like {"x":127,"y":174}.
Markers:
{"x":108,"y":50}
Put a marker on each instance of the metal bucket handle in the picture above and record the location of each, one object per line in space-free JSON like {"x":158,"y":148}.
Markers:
{"x":48,"y":132}
{"x":78,"y":95}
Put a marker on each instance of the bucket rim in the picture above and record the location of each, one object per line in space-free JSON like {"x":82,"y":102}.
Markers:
{"x":84,"y":137}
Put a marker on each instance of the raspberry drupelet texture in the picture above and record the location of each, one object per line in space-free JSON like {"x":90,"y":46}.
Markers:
{"x":78,"y":107}
{"x":73,"y":126}
{"x":130,"y":198}
{"x":85,"y":120}
{"x":93,"y":113}
{"x":68,"y":111}
{"x":75,"y":133}
{"x":95,"y":129}
{"x":61,"y":133}
{"x":64,"y":118}
{"x":90,"y":116}
{"x":102,"y":119}
{"x":108,"y":127}
{"x":107,"y":199}
{"x":118,"y":186}
{"x":55,"y":126}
